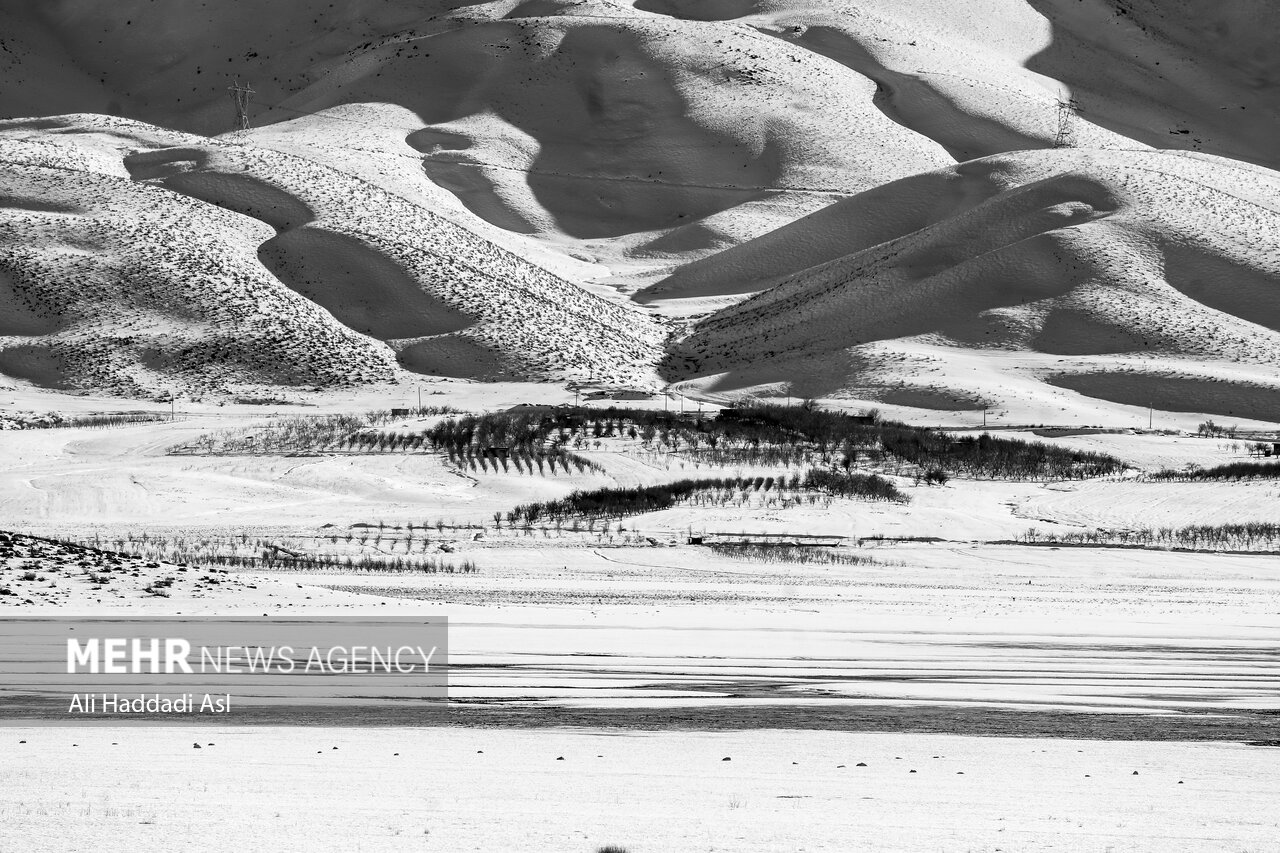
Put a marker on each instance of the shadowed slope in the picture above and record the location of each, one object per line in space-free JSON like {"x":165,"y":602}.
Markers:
{"x":169,"y":63}
{"x":1173,"y":393}
{"x":360,"y":287}
{"x":1172,"y":73}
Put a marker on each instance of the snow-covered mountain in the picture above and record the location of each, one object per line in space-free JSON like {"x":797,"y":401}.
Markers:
{"x":850,"y":199}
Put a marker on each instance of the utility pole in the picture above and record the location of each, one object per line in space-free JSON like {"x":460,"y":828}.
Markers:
{"x":241,"y":94}
{"x":419,"y":401}
{"x":1068,"y":109}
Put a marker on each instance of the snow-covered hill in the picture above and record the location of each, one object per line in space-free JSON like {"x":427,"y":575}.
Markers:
{"x":1155,"y":270}
{"x":487,"y":189}
{"x":135,"y":257}
{"x":109,"y":283}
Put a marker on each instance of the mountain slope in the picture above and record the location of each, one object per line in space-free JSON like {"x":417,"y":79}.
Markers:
{"x":482,"y":188}
{"x":107,"y":283}
{"x":983,"y":76}
{"x":583,"y":122}
{"x":1141,"y":67}
{"x":642,"y":134}
{"x":1086,"y":262}
{"x":149,"y":257}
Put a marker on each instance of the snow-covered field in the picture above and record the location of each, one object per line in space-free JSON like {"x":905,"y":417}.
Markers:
{"x":601,"y":683}
{"x":646,"y":791}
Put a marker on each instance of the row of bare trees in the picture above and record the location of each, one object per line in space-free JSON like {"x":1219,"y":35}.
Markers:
{"x":1241,"y":536}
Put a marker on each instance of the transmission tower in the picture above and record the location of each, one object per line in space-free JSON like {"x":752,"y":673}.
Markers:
{"x":1068,"y":109}
{"x":240,"y":94}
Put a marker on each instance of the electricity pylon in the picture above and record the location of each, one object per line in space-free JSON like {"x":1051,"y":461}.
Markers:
{"x":1068,"y":109}
{"x":240,"y":94}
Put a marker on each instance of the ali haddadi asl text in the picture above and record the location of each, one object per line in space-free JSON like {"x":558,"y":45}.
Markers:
{"x":154,"y":703}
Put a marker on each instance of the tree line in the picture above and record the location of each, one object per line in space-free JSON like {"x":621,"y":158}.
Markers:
{"x":1230,"y":471}
{"x":750,"y":434}
{"x":619,"y":502}
{"x":1239,"y":536}
{"x":930,"y":449}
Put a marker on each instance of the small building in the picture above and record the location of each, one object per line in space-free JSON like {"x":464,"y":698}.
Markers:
{"x":401,"y":413}
{"x":1275,"y":448}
